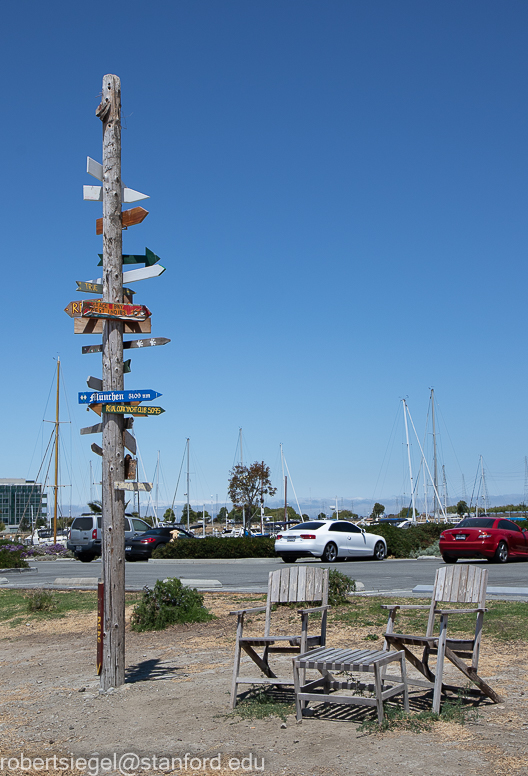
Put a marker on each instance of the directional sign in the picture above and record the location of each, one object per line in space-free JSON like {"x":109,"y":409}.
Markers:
{"x":95,"y":326}
{"x":96,"y":170}
{"x":128,"y":218}
{"x":104,"y":397}
{"x":146,"y":486}
{"x":96,"y":308}
{"x":130,"y":409}
{"x":140,"y":343}
{"x":95,"y":383}
{"x":137,"y":274}
{"x":95,"y":194}
{"x":96,"y":288}
{"x":98,"y":428}
{"x":96,"y":449}
{"x":129,"y":442}
{"x":148,"y":259}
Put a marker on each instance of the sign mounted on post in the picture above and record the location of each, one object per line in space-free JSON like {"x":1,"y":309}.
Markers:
{"x":130,"y":409}
{"x":104,"y":397}
{"x":141,"y":343}
{"x":146,"y":486}
{"x":128,"y":218}
{"x":95,"y":326}
{"x":134,"y":275}
{"x":95,"y":308}
{"x":97,"y":288}
{"x":148,"y":259}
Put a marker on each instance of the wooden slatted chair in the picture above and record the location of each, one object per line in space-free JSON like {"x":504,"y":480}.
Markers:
{"x":453,"y":584}
{"x":293,"y":584}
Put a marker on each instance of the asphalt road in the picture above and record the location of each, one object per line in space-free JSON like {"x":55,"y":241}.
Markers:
{"x":389,"y":576}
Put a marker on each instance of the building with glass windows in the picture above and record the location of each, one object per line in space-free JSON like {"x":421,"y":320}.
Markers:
{"x":21,"y":499}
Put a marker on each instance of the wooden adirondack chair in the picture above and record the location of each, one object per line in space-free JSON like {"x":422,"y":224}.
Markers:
{"x":453,"y":584}
{"x":294,"y":584}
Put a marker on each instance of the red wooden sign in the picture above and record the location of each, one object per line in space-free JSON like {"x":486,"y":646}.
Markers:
{"x":96,"y":308}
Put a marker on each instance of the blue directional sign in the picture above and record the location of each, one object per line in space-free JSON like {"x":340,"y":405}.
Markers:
{"x":107,"y":397}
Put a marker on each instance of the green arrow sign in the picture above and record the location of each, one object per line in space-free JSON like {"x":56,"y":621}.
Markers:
{"x":148,"y":259}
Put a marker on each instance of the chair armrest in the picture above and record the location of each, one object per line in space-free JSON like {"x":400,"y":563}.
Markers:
{"x":249,"y":611}
{"x":405,"y":606}
{"x":459,"y":611}
{"x":314,"y":609}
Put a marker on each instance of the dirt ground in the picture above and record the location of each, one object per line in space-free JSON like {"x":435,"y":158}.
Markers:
{"x":176,"y":703}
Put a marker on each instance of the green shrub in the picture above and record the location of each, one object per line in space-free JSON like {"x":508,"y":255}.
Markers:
{"x":217,"y":547}
{"x":11,"y":556}
{"x":403,"y":542}
{"x":167,"y":603}
{"x":339,"y":586}
{"x":41,"y":601}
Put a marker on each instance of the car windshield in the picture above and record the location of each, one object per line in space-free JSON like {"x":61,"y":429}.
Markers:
{"x":312,"y":526}
{"x":82,"y":523}
{"x":477,"y":522}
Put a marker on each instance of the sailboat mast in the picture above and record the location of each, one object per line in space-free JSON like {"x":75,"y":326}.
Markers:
{"x":56,"y":455}
{"x":435,"y":459}
{"x":188,"y":505}
{"x":409,"y":458}
{"x":157,"y":487}
{"x":242,"y":464}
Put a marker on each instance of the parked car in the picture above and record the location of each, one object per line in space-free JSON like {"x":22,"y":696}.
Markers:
{"x":142,"y":547}
{"x":84,"y":538}
{"x":496,"y":539}
{"x":330,"y":540}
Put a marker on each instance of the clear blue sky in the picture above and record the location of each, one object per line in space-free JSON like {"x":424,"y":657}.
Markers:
{"x":339,"y":194}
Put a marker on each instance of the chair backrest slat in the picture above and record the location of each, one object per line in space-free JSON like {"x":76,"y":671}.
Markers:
{"x":460,"y":584}
{"x":298,"y":583}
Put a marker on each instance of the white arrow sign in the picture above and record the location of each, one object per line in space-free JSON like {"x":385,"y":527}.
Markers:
{"x":95,"y":193}
{"x":137,"y":274}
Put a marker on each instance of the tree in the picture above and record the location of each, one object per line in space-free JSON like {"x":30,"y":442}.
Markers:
{"x":222,"y":515}
{"x":377,"y":510}
{"x":247,"y":487}
{"x":462,"y":508}
{"x":96,"y":507}
{"x":321,"y":516}
{"x":168,"y":516}
{"x":345,"y":514}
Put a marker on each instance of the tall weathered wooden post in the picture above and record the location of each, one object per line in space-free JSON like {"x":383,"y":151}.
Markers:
{"x":113,"y":533}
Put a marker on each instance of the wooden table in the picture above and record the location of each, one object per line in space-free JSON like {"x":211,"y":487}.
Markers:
{"x":326,"y":660}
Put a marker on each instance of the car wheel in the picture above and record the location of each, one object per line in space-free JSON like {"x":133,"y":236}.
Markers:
{"x":289,"y":558}
{"x":84,"y":557}
{"x":379,"y":551}
{"x":449,"y":558}
{"x":330,"y":553}
{"x":501,"y":553}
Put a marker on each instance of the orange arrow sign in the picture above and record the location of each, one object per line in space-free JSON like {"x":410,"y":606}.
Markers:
{"x":128,"y":218}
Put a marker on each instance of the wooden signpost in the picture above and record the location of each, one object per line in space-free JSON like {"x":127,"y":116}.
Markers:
{"x":112,"y":316}
{"x":148,"y":259}
{"x":95,"y":308}
{"x":141,"y":343}
{"x":130,"y":409}
{"x":128,"y":218}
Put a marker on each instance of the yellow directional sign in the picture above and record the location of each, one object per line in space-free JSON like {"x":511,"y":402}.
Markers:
{"x":131,"y":409}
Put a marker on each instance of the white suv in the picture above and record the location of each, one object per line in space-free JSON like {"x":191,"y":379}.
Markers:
{"x":84,"y":538}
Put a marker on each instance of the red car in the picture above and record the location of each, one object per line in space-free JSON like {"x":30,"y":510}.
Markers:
{"x":493,"y":538}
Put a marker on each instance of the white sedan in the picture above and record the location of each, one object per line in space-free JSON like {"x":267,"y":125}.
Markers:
{"x":330,"y":540}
